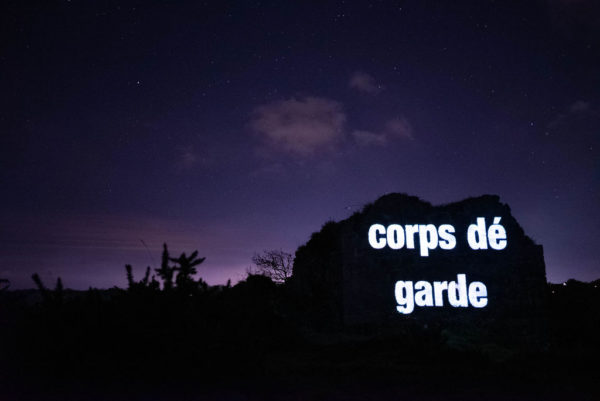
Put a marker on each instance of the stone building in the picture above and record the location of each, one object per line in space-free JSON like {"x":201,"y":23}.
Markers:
{"x":345,"y":283}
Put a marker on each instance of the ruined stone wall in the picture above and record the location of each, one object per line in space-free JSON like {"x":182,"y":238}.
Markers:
{"x":346,"y":281}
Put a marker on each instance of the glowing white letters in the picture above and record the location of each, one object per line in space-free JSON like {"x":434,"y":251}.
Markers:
{"x":496,"y":235}
{"x":430,"y":237}
{"x":375,"y":233}
{"x":396,"y":237}
{"x":423,"y":293}
{"x":447,"y":240}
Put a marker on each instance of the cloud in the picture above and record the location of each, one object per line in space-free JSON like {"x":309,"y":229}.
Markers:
{"x":580,"y":107}
{"x":187,"y":158}
{"x":301,"y":127}
{"x":365,"y":83}
{"x":396,"y":128}
{"x":367,"y":138}
{"x":399,"y":127}
{"x":578,"y":112}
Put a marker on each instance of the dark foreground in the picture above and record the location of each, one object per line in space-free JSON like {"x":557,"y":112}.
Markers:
{"x":246,"y":343}
{"x":343,"y":373}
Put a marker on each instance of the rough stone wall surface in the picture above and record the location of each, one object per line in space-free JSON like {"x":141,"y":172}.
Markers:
{"x":346,"y":281}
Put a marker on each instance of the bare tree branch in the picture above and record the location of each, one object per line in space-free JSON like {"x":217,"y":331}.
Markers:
{"x":275,"y":264}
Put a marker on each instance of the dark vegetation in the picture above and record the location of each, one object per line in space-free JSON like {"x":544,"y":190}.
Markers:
{"x":274,"y":264}
{"x":170,"y":333}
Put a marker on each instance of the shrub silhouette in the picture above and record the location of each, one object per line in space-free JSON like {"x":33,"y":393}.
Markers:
{"x":185,"y":266}
{"x":185,"y":270}
{"x":144,"y":284}
{"x":275,"y":264}
{"x":166,"y":272}
{"x":55,"y":296}
{"x":4,"y":284}
{"x":187,"y":332}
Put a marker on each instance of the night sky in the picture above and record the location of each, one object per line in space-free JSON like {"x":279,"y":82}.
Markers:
{"x":235,"y":127}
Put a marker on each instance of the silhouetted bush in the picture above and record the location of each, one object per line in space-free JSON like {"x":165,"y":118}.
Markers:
{"x":275,"y":264}
{"x":54,"y":297}
{"x":189,"y":332}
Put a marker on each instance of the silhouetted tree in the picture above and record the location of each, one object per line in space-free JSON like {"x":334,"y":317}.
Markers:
{"x":41,"y":287}
{"x":58,"y":291}
{"x":4,"y":284}
{"x":186,"y":269}
{"x":146,"y":278}
{"x":166,"y":272}
{"x":149,"y":282}
{"x":185,"y":266}
{"x":55,"y":296}
{"x":275,"y":264}
{"x":130,"y":281}
{"x":154,"y":284}
{"x":145,"y":283}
